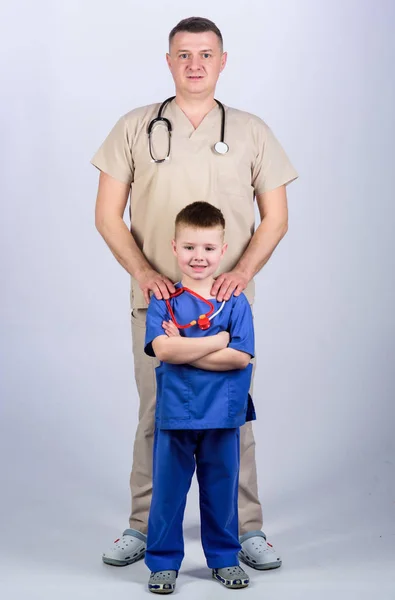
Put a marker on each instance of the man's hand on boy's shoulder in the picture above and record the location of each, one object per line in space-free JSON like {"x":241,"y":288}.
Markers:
{"x":232,"y":282}
{"x":152,"y":281}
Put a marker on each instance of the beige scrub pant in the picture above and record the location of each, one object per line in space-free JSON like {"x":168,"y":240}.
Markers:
{"x":250,"y":511}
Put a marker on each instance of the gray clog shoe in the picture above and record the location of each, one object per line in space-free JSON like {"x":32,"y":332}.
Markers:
{"x":257,"y":552}
{"x":127,"y":549}
{"x":232,"y":577}
{"x":162,"y":582}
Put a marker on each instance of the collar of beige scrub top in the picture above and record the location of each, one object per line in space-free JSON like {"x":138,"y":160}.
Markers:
{"x":177,"y":117}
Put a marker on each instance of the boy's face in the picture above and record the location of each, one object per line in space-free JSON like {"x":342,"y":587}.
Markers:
{"x":199,"y":251}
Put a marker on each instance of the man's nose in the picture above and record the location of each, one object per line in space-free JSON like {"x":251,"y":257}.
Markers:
{"x":195,"y":63}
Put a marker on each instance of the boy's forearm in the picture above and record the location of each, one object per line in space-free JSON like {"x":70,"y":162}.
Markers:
{"x":181,"y":350}
{"x":223,"y":360}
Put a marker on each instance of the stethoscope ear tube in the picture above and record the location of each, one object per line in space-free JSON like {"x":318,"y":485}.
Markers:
{"x":220,"y":147}
{"x":159,"y":120}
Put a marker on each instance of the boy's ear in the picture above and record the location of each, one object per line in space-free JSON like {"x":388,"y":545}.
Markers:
{"x":174,"y":247}
{"x":224,"y":249}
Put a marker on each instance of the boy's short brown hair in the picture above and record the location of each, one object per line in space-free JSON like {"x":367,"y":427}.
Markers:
{"x":200,"y":215}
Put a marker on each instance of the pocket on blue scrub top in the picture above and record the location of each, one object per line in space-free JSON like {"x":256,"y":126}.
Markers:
{"x":172,"y":392}
{"x":239,"y":385}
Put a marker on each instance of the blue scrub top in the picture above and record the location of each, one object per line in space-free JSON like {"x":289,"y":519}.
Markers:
{"x":192,"y":398}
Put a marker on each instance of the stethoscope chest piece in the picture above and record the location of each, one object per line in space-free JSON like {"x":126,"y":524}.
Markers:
{"x":221,"y":148}
{"x":203,"y":322}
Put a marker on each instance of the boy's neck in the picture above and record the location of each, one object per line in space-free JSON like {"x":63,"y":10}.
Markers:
{"x":201,"y":287}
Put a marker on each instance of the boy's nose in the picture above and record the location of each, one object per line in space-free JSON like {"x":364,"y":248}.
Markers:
{"x":198,"y":254}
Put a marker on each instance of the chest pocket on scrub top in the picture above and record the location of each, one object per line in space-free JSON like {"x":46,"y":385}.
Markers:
{"x":233,"y":174}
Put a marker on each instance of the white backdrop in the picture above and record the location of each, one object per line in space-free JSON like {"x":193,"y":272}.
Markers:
{"x":321,"y":74}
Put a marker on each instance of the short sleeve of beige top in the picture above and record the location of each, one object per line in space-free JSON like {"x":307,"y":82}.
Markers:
{"x":255,"y":163}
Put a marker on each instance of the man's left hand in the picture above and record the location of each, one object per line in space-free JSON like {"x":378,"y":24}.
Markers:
{"x":233,"y":282}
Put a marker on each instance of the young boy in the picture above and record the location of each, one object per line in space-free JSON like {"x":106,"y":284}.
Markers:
{"x":205,"y":348}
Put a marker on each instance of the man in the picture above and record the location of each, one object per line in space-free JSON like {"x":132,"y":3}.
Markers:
{"x":164,"y":166}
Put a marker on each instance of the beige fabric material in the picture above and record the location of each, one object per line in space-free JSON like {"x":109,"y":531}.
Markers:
{"x":250,"y":512}
{"x":254,"y":164}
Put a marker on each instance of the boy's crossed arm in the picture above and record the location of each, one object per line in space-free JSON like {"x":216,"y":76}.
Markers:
{"x":209,"y":353}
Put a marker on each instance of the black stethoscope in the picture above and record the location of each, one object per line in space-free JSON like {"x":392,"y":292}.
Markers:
{"x":220,"y":147}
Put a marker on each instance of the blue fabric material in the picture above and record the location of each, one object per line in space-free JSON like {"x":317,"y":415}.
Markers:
{"x":192,"y":398}
{"x":215,"y":453}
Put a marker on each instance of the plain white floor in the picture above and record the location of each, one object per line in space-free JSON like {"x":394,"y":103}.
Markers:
{"x":329,"y":545}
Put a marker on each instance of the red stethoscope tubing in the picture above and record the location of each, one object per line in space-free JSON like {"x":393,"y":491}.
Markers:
{"x":177,"y":293}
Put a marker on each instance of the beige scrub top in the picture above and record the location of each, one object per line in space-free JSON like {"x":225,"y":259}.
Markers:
{"x":255,"y":163}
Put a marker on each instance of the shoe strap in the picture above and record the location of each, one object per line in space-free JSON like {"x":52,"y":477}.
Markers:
{"x":250,"y":534}
{"x":137,"y":534}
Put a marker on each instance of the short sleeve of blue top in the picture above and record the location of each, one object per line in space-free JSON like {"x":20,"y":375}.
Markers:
{"x":192,"y":398}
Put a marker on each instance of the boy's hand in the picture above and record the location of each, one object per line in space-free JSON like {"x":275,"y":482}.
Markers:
{"x":170,"y":329}
{"x":224,"y":337}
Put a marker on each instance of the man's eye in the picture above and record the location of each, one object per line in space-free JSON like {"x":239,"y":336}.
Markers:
{"x":184,"y":55}
{"x":206,"y":55}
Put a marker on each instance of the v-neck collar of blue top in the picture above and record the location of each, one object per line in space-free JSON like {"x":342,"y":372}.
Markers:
{"x":179,"y":285}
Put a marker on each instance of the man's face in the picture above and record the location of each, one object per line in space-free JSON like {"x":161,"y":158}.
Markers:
{"x":195,"y":61}
{"x":199,"y":251}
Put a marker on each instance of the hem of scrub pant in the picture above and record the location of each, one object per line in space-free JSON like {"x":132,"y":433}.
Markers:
{"x":223,"y":561}
{"x":159,"y":564}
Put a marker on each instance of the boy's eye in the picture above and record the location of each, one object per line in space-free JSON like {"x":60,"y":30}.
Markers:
{"x":188,"y":247}
{"x":209,"y":249}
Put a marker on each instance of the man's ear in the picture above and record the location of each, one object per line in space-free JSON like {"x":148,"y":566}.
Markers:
{"x":224,"y":58}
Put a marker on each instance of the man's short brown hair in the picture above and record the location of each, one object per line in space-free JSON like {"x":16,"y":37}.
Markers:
{"x":196,"y":25}
{"x":200,"y":215}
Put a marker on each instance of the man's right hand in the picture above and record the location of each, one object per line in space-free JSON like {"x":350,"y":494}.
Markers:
{"x":159,"y":285}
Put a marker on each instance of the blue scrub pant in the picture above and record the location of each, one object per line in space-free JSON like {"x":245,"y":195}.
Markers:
{"x":215,"y":452}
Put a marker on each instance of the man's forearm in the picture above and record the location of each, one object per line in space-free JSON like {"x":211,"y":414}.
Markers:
{"x":123,"y":246}
{"x":223,"y":360}
{"x":262,"y":245}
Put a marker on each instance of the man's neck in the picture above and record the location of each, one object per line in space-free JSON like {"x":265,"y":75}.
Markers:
{"x":195,"y":107}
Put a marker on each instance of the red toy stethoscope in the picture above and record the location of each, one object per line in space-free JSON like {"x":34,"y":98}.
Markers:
{"x":203,"y":321}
